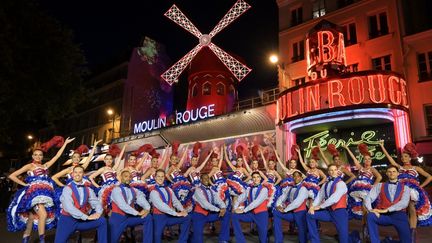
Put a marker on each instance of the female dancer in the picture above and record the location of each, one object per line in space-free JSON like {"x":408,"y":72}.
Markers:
{"x":361,"y":186}
{"x":254,"y":167}
{"x":194,"y":172}
{"x":314,"y":176}
{"x":219,"y":182}
{"x":234,"y":181}
{"x":108,"y":174}
{"x":420,"y":213}
{"x":34,"y":203}
{"x":292,"y":167}
{"x":155,"y":164}
{"x":181,"y":186}
{"x":343,"y":169}
{"x":134,"y":166}
{"x":76,"y":160}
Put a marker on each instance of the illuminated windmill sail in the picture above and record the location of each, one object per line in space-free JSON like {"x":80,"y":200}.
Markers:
{"x":238,"y":69}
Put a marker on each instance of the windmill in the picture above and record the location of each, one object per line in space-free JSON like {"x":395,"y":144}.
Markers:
{"x":238,"y":69}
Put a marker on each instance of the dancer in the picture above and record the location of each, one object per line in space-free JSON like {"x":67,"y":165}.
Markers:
{"x":314,"y":176}
{"x":219,"y":181}
{"x":124,"y":200}
{"x":33,"y":205}
{"x":330,"y":206}
{"x":194,"y":172}
{"x":343,"y":168}
{"x":167,"y":210}
{"x":419,"y":210}
{"x":134,"y":166}
{"x":256,"y":211}
{"x":235,"y":180}
{"x":76,"y":160}
{"x":209,"y":208}
{"x":392,"y":200}
{"x":155,"y":164}
{"x":291,"y":206}
{"x":78,"y":200}
{"x":109,"y":175}
{"x":361,"y":186}
{"x":181,"y":186}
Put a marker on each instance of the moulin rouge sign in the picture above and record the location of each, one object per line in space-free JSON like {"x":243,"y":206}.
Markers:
{"x":332,"y":88}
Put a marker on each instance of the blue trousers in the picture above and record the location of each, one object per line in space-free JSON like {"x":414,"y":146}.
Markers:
{"x":339,"y":217}
{"x":118,"y":223}
{"x":67,"y":225}
{"x":299,"y":218}
{"x":162,"y":220}
{"x":398,"y":219}
{"x":199,"y":220}
{"x":260,"y":219}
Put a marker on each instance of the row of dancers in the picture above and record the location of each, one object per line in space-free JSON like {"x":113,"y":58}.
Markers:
{"x":247,"y":194}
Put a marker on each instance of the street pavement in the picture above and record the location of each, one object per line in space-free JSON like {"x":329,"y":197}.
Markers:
{"x":328,"y":232}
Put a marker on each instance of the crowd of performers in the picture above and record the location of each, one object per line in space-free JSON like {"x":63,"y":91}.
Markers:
{"x":166,"y":193}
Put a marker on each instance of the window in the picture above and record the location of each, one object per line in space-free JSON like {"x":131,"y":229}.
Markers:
{"x":350,"y":34}
{"x":206,"y":88}
{"x":382,"y":63}
{"x":428,"y":116}
{"x":220,"y":88}
{"x":352,"y":68}
{"x":299,"y":81}
{"x":318,"y":9}
{"x":296,"y":16}
{"x":343,"y":3}
{"x":194,"y":90}
{"x":298,"y":51}
{"x":424,"y":61}
{"x":378,"y":25}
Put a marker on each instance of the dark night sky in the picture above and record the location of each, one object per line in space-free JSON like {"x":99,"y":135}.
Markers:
{"x":107,"y":32}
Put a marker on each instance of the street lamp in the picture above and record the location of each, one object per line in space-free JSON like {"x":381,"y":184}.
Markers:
{"x":30,"y":137}
{"x":111,"y":113}
{"x":274,"y":59}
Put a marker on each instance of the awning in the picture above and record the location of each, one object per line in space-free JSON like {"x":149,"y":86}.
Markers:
{"x":260,"y":119}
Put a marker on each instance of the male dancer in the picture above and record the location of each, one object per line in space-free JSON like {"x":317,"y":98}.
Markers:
{"x":209,"y":208}
{"x":164,"y":204}
{"x":77,"y":201}
{"x":124,"y":200}
{"x":256,"y":210}
{"x":393,"y":199}
{"x":330,"y":206}
{"x":291,"y":206}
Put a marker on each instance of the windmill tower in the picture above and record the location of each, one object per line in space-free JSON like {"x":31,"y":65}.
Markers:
{"x":213,"y":71}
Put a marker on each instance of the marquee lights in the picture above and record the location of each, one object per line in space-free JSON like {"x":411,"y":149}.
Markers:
{"x":376,"y":88}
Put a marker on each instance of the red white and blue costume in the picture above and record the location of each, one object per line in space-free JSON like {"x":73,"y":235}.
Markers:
{"x":410,"y":178}
{"x":395,"y":198}
{"x":293,"y":199}
{"x":332,"y":198}
{"x":124,"y":214}
{"x":109,"y":179}
{"x":40,"y":190}
{"x":358,"y":191}
{"x":256,"y":198}
{"x":195,"y":177}
{"x":236,"y":184}
{"x":164,"y":201}
{"x":78,"y":200}
{"x":220,"y":186}
{"x":311,"y":183}
{"x":207,"y":207}
{"x":137,"y":183}
{"x":270,"y":184}
{"x":182,"y":189}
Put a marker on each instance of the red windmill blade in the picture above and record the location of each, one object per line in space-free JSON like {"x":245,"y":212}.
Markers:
{"x":238,"y":69}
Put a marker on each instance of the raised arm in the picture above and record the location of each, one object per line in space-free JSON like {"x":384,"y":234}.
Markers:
{"x":356,"y":162}
{"x":141,"y":160}
{"x":264,"y":160}
{"x":221,"y":158}
{"x":94,"y":175}
{"x":377,"y":175}
{"x":183,"y":158}
{"x":90,"y":156}
{"x":116,"y":166}
{"x":59,"y":153}
{"x":280,"y":162}
{"x":305,"y":167}
{"x":165,"y":158}
{"x":248,"y":168}
{"x":56,"y":177}
{"x":15,"y":174}
{"x":391,"y":160}
{"x":323,"y":156}
{"x":278,"y":177}
{"x":203,"y":164}
{"x":425,"y":174}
